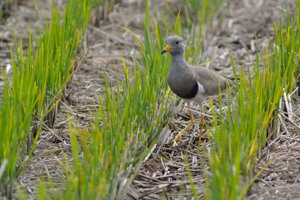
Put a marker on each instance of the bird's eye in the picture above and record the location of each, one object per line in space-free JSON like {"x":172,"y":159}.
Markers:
{"x":177,"y":42}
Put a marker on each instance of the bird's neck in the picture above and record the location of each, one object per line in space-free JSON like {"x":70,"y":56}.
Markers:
{"x":178,"y":60}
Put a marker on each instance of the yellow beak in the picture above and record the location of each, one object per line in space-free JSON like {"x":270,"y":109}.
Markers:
{"x":166,"y":49}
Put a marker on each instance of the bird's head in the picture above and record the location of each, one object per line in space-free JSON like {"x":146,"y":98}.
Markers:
{"x":174,"y":45}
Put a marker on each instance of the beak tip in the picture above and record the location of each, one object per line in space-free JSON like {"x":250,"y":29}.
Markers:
{"x":166,"y":49}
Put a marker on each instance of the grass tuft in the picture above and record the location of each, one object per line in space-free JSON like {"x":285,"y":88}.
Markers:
{"x":126,"y":126}
{"x":36,"y":86}
{"x":252,"y":118}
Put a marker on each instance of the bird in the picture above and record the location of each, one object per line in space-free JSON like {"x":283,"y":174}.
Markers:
{"x":190,"y":83}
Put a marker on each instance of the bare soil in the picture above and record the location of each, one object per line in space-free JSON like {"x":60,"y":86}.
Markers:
{"x":245,"y":27}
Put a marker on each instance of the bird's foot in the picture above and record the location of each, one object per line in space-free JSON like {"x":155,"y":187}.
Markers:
{"x":178,"y":137}
{"x":181,"y":122}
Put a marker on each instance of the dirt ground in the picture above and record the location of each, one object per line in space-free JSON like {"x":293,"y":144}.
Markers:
{"x":246,"y":26}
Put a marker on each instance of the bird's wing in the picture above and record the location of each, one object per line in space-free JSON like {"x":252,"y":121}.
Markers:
{"x":210,"y":80}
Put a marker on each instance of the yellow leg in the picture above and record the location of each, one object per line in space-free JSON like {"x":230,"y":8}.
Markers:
{"x":192,"y":121}
{"x":200,"y":134}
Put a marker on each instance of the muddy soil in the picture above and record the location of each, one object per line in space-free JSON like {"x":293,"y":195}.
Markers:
{"x":245,"y":27}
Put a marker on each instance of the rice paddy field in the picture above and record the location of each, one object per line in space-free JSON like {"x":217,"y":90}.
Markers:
{"x":86,"y":111}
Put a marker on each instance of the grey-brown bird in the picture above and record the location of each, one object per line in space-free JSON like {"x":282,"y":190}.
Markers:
{"x":188,"y":82}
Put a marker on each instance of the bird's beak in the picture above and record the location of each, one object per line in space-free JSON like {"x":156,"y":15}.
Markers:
{"x":166,"y":49}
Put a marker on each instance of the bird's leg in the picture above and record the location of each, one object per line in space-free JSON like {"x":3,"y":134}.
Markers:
{"x":192,"y":121}
{"x":202,"y":118}
{"x":202,"y":122}
{"x":200,"y":133}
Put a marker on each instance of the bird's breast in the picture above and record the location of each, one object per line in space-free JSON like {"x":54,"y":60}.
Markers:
{"x":184,"y":87}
